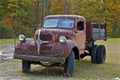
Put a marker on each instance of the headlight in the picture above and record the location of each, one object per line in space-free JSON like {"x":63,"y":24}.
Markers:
{"x":21,"y":37}
{"x":62,"y":39}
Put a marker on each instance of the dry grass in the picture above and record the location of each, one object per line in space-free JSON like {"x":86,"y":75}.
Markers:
{"x":84,"y":69}
{"x":111,"y":69}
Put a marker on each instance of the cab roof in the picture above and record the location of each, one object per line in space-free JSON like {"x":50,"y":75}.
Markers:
{"x":65,"y":16}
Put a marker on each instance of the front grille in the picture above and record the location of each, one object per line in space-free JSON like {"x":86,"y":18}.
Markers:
{"x":46,"y":37}
{"x":45,"y":48}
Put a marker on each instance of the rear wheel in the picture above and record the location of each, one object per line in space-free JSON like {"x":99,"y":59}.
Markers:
{"x":69,"y":65}
{"x":26,"y":66}
{"x":94,"y":54}
{"x":101,"y":54}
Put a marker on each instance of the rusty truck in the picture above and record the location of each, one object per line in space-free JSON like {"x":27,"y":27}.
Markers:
{"x":61,"y":40}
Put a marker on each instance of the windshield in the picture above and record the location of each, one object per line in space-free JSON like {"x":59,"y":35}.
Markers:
{"x":60,"y":23}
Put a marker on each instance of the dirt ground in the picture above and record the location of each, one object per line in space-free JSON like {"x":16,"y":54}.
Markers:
{"x":10,"y":69}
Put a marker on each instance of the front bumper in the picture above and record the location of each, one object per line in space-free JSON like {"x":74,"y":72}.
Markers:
{"x":40,"y":58}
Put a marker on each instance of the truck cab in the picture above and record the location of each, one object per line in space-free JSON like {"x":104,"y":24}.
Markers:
{"x":61,"y":39}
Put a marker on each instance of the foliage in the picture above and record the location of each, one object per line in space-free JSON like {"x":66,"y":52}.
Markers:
{"x":23,"y":12}
{"x":16,"y":11}
{"x":27,"y":31}
{"x":95,"y":10}
{"x":8,"y":32}
{"x":5,"y":31}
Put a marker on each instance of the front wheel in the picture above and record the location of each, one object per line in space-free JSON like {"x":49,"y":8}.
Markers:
{"x":26,"y":66}
{"x":69,"y":65}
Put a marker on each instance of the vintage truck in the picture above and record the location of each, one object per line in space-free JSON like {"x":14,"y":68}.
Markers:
{"x":61,"y":40}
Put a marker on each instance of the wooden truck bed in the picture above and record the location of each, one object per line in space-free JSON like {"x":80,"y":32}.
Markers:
{"x":95,"y":31}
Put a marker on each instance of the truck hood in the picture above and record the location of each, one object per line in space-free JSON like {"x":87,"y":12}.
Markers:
{"x":54,"y":34}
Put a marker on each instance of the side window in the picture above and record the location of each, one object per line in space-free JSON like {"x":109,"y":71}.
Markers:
{"x":80,"y":25}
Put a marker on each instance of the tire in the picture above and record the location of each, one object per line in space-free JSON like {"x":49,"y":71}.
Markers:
{"x":101,"y":54}
{"x":69,"y":65}
{"x":94,"y":54}
{"x":26,"y":66}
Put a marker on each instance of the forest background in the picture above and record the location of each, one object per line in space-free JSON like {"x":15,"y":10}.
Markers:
{"x":25,"y":16}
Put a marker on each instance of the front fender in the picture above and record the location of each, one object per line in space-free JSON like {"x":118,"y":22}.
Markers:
{"x":69,"y":45}
{"x":26,"y":47}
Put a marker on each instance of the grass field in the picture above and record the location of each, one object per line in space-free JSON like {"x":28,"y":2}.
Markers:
{"x":8,"y":41}
{"x":84,"y":69}
{"x":108,"y":70}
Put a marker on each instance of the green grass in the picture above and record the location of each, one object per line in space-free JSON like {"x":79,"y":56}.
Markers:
{"x":4,"y":41}
{"x":7,"y":41}
{"x":114,"y":39}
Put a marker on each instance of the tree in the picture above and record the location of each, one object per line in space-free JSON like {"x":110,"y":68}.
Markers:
{"x":14,"y":12}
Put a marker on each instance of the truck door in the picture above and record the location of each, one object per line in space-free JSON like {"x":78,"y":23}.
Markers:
{"x":80,"y":36}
